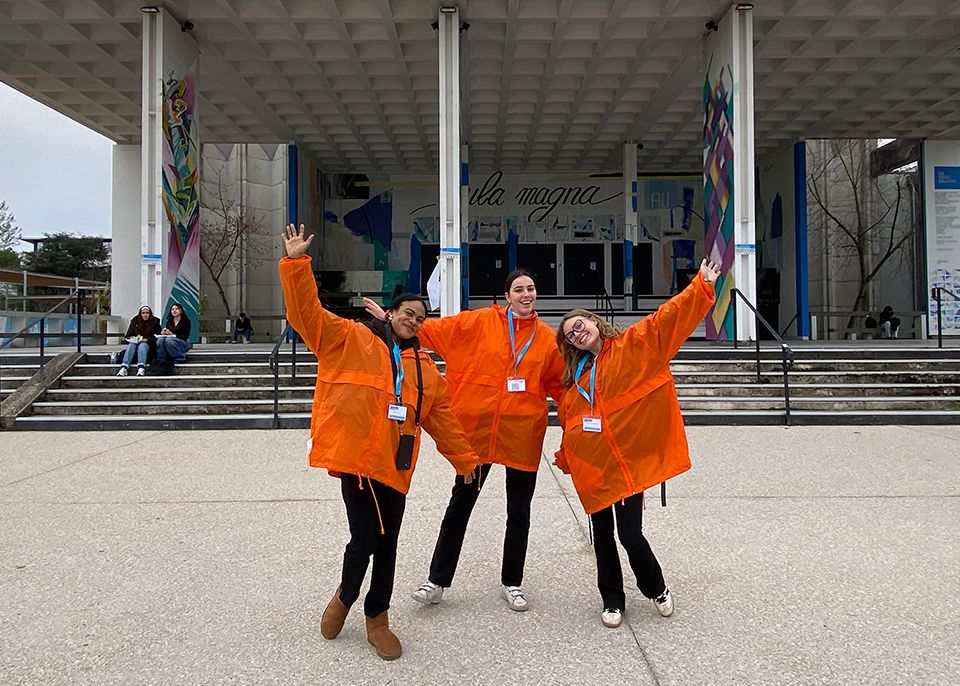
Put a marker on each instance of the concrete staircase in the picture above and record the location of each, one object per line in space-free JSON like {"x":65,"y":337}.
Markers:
{"x":232,"y":387}
{"x":15,"y":368}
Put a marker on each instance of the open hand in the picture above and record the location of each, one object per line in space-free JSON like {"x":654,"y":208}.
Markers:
{"x":293,"y":241}
{"x":709,"y":271}
{"x":469,"y":476}
{"x":374,"y":309}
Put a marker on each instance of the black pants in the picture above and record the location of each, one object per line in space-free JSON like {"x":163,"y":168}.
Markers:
{"x":520,"y":487}
{"x":366,"y":540}
{"x":642,"y":560}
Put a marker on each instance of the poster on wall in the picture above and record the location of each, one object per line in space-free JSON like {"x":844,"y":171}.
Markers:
{"x":582,"y":227}
{"x":942,"y":191}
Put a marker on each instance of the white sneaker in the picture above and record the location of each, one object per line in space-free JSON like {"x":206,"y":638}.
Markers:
{"x":611,"y":617}
{"x":122,"y":372}
{"x":428,"y":593}
{"x":141,"y":371}
{"x":514,"y":597}
{"x":664,"y":603}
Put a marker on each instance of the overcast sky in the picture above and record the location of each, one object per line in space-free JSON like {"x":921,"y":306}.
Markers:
{"x":55,"y":174}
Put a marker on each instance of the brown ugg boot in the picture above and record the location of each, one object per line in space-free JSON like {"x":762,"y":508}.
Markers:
{"x":384,"y":641}
{"x":333,"y":617}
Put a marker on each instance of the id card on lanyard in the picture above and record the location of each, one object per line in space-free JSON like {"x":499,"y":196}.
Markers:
{"x":398,"y":411}
{"x":591,"y":423}
{"x":516,"y":383}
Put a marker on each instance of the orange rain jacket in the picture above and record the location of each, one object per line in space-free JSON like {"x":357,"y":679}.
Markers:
{"x":642,"y":440}
{"x":505,"y":428}
{"x":349,"y":428}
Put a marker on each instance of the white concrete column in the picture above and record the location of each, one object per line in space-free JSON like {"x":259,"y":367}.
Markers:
{"x":729,"y":170}
{"x":631,"y":232}
{"x":126,"y":266}
{"x":170,"y":168}
{"x":450,"y":236}
{"x":151,"y":189}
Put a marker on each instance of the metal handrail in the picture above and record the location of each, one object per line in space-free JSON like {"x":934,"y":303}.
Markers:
{"x":937,"y":290}
{"x":288,"y":332}
{"x":603,"y":302}
{"x":789,"y":324}
{"x":786,"y":352}
{"x":77,"y":293}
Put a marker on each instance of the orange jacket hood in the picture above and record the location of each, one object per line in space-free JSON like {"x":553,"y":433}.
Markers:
{"x":642,"y":439}
{"x":349,"y":428}
{"x":503,"y":427}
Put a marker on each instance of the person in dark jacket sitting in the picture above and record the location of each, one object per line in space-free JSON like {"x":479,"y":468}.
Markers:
{"x":141,"y":340}
{"x":174,"y":341}
{"x":242,"y":327}
{"x":889,"y":323}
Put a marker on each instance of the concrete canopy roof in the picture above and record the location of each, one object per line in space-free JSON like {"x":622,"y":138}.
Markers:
{"x":548,"y":84}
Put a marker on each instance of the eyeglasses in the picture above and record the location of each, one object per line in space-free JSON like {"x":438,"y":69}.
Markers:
{"x":575,"y":330}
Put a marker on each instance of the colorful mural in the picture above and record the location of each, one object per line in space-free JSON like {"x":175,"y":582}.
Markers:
{"x":718,"y":187}
{"x":181,"y":196}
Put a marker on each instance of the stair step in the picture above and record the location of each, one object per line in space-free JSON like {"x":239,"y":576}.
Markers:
{"x":172,"y":407}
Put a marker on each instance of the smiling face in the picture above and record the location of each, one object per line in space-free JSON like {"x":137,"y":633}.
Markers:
{"x":407,"y":319}
{"x":522,"y":296}
{"x":582,"y":333}
{"x":175,"y":311}
{"x":145,"y":313}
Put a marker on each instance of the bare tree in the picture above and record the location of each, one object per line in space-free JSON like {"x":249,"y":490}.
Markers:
{"x":229,"y":224}
{"x":9,"y":231}
{"x":861,"y":214}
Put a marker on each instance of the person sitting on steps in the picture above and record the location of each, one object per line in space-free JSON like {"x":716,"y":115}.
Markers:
{"x":141,"y":340}
{"x":889,"y":323}
{"x":174,"y":341}
{"x":242,"y":327}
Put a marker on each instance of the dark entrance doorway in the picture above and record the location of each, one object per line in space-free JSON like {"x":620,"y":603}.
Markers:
{"x":429,"y":253}
{"x":616,"y":269}
{"x":643,"y":269}
{"x":582,"y":268}
{"x":488,"y":269}
{"x":541,"y":260}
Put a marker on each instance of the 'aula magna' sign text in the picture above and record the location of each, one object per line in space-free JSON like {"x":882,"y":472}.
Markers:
{"x":539,"y":200}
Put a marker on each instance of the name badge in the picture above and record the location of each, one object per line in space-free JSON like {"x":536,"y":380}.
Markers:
{"x":397,"y":412}
{"x":592,"y":424}
{"x":516,"y":385}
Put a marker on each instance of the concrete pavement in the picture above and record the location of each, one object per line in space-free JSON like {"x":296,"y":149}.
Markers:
{"x":797,"y":556}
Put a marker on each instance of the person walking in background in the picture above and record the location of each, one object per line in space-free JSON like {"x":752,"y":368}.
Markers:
{"x":141,"y":340}
{"x":623,"y":432}
{"x":174,"y":341}
{"x":501,"y":362}
{"x":242,"y":327}
{"x":375,"y":390}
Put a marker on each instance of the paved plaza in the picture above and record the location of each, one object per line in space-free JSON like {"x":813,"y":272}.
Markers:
{"x":821,"y":555}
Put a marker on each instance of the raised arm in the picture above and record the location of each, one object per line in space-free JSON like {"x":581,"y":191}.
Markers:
{"x":304,"y":312}
{"x":663,"y":332}
{"x":443,"y":335}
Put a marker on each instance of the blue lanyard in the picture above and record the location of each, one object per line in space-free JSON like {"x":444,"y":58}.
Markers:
{"x":593,"y":377}
{"x":399,"y":378}
{"x":513,"y":344}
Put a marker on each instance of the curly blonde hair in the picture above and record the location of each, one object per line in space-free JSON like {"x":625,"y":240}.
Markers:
{"x":572,"y":354}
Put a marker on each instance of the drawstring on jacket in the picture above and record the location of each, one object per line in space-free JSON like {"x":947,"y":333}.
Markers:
{"x":376,"y":505}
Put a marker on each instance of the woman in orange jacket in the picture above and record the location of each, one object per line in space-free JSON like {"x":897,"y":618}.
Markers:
{"x":375,"y":389}
{"x":501,"y":362}
{"x":623,"y":432}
